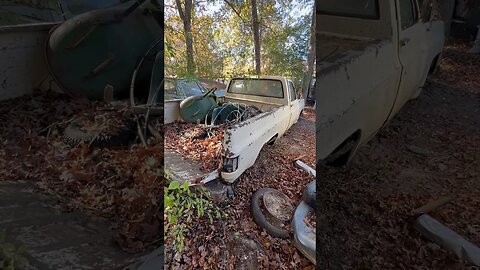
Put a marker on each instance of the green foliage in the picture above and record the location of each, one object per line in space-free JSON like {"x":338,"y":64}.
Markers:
{"x":11,"y":257}
{"x":182,"y":204}
{"x":223,"y":38}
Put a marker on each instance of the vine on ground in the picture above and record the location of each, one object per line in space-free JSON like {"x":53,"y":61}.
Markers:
{"x":182,"y":204}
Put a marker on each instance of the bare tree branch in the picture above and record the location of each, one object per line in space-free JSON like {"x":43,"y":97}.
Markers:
{"x":180,"y":10}
{"x":236,"y":12}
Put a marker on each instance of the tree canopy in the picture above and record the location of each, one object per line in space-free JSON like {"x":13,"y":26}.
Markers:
{"x":223,"y":38}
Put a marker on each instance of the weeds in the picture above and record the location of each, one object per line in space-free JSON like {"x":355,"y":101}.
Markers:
{"x":182,"y":204}
{"x":11,"y":256}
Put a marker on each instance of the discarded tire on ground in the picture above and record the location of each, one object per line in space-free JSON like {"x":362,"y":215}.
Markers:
{"x":260,"y":218}
{"x":97,"y":135}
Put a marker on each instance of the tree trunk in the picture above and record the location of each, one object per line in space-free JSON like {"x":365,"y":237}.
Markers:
{"x":186,"y":16}
{"x":307,"y":79}
{"x":256,"y":36}
{"x":447,"y":7}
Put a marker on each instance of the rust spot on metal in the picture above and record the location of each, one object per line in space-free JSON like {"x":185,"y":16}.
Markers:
{"x":279,"y":207}
{"x":227,"y":153}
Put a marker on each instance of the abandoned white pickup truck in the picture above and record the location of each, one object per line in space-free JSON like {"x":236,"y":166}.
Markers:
{"x":372,"y":57}
{"x":278,"y":107}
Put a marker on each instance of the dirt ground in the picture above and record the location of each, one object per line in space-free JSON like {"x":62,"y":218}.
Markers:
{"x":238,"y":243}
{"x":429,"y":150}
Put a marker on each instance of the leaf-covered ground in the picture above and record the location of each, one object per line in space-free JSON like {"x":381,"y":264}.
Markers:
{"x":237,"y":242}
{"x":123,"y":184}
{"x":429,"y":150}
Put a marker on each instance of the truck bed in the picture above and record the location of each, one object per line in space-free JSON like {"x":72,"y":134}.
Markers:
{"x":190,"y":155}
{"x":227,"y":142}
{"x":183,"y":169}
{"x":188,"y":158}
{"x":263,"y":107}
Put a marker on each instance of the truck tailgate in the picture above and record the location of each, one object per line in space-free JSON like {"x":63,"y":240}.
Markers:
{"x":183,"y":169}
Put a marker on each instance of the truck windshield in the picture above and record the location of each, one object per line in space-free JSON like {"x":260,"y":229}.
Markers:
{"x":191,"y":87}
{"x":350,"y":8}
{"x":257,"y":87}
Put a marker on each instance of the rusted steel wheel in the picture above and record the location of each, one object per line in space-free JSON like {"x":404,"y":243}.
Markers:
{"x":271,"y":210}
{"x":98,"y":134}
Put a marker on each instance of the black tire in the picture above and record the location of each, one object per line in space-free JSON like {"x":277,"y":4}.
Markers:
{"x":260,"y":218}
{"x":341,"y":156}
{"x":434,"y":65}
{"x":272,"y":140}
{"x":73,"y":135}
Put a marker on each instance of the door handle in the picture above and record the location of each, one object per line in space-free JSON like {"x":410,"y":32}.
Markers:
{"x":404,"y":41}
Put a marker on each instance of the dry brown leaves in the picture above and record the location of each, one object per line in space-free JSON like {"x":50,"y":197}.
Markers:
{"x":309,"y":114}
{"x":366,"y":221}
{"x":215,"y":246}
{"x":311,"y":220}
{"x":107,"y":123}
{"x":197,"y":142}
{"x":122,"y":184}
{"x":457,"y":63}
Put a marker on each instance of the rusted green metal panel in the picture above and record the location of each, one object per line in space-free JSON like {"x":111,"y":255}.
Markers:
{"x":102,"y":47}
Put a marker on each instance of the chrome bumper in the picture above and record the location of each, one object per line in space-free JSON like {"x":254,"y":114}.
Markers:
{"x":303,"y":236}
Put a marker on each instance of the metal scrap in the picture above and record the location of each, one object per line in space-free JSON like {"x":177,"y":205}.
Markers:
{"x":447,"y":238}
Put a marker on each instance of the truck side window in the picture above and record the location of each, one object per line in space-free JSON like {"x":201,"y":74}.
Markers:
{"x":407,"y":13}
{"x":291,"y":89}
{"x":367,"y":9}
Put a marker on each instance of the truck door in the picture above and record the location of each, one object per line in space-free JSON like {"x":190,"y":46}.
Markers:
{"x":294,"y":104}
{"x":412,"y":50}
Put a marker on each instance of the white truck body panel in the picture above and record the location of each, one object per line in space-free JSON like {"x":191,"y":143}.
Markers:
{"x":243,"y":141}
{"x":367,"y":69}
{"x":171,"y":111}
{"x":23,"y":66}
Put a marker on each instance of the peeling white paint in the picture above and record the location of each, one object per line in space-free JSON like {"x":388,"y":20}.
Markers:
{"x":22,"y":59}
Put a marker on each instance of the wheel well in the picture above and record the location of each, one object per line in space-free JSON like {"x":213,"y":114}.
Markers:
{"x":342,"y":154}
{"x":272,"y":140}
{"x":434,"y":64}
